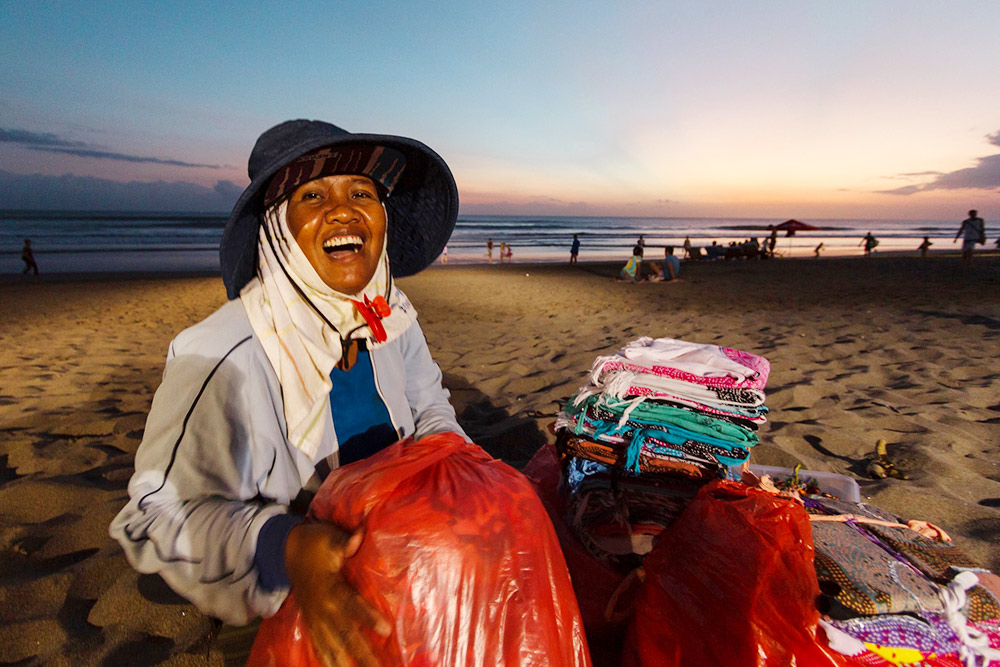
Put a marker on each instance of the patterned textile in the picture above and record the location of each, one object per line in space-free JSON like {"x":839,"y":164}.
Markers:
{"x":927,"y":632}
{"x":751,"y":415}
{"x":857,"y":577}
{"x":620,"y":381}
{"x":990,"y":582}
{"x":908,"y":639}
{"x":613,"y":454}
{"x":609,"y":408}
{"x":663,"y":439}
{"x":936,"y":559}
{"x":618,"y":518}
{"x":932,"y":557}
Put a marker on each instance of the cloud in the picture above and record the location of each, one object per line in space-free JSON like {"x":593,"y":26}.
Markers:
{"x":985,"y":175}
{"x":69,"y":192}
{"x":53,"y":143}
{"x":36,"y":139}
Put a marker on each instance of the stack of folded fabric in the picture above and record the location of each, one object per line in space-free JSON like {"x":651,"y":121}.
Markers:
{"x":895,"y":592}
{"x":656,"y":421}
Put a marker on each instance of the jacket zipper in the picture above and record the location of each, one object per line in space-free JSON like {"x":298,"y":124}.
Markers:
{"x":378,"y":388}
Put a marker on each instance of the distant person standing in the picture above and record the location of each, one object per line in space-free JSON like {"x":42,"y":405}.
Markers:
{"x":869,"y":242}
{"x":972,"y":231}
{"x":29,"y":258}
{"x":444,"y":255}
{"x":574,"y":249}
{"x":503,"y":251}
{"x":924,"y":247}
{"x":772,"y":240}
{"x":687,"y":247}
{"x":641,"y":242}
{"x":489,"y":249}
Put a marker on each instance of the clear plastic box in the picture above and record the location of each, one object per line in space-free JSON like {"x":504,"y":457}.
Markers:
{"x":841,"y":486}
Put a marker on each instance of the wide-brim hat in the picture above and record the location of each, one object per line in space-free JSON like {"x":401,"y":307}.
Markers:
{"x":422,"y":207}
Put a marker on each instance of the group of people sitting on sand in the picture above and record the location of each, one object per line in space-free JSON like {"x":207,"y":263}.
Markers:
{"x":749,"y":249}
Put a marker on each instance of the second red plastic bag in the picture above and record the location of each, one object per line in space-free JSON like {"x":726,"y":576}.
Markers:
{"x":458,"y":552}
{"x":731,"y":582}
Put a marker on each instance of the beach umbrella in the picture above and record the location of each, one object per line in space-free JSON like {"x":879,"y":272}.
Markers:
{"x":792,"y":226}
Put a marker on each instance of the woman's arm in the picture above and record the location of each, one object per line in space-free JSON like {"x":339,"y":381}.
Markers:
{"x":196,"y":507}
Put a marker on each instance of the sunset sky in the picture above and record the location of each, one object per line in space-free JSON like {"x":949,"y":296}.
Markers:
{"x":867,"y":109}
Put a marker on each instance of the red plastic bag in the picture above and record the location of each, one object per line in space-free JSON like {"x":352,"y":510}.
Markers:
{"x":731,"y":582}
{"x":458,"y":552}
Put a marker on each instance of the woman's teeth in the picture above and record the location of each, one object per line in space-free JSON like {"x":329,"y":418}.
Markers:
{"x":350,"y":242}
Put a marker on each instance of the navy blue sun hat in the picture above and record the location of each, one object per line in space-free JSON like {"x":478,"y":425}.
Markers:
{"x":421,"y":201}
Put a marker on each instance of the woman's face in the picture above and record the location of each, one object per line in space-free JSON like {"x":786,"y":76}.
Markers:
{"x":339,"y":223}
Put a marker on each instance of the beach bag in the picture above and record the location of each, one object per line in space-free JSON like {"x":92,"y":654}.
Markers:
{"x":731,"y":582}
{"x":437,"y":511}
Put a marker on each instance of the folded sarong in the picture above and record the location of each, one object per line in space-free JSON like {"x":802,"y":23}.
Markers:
{"x":596,"y":422}
{"x":649,"y":462}
{"x":609,"y":408}
{"x":698,"y":363}
{"x":617,"y":379}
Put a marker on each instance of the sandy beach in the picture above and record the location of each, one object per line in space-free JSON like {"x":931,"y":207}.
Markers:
{"x":861,"y":349}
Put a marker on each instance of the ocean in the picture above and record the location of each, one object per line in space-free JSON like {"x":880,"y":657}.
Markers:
{"x":137,"y":242}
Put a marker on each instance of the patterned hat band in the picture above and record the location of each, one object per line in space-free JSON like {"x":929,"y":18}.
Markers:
{"x":379,"y":163}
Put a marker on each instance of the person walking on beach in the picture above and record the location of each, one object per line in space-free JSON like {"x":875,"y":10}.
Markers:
{"x":687,"y":247}
{"x":29,"y":258}
{"x":869,"y":242}
{"x":973,"y":231}
{"x":489,"y":249}
{"x":923,"y":247}
{"x":574,"y":249}
{"x":818,"y":249}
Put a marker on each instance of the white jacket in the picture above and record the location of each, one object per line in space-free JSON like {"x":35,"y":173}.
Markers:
{"x":214,"y":464}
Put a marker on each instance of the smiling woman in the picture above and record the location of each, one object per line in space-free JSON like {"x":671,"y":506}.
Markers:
{"x":316,"y":361}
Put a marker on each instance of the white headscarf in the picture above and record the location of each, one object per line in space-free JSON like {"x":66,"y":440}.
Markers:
{"x":302,"y":323}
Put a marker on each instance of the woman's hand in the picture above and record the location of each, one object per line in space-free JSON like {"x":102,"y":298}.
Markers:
{"x":333,"y":611}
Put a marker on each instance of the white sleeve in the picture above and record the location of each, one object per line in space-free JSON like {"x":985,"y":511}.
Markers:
{"x":195,"y":510}
{"x":428,"y":399}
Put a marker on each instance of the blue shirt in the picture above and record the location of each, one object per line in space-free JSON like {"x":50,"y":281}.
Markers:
{"x":360,"y":418}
